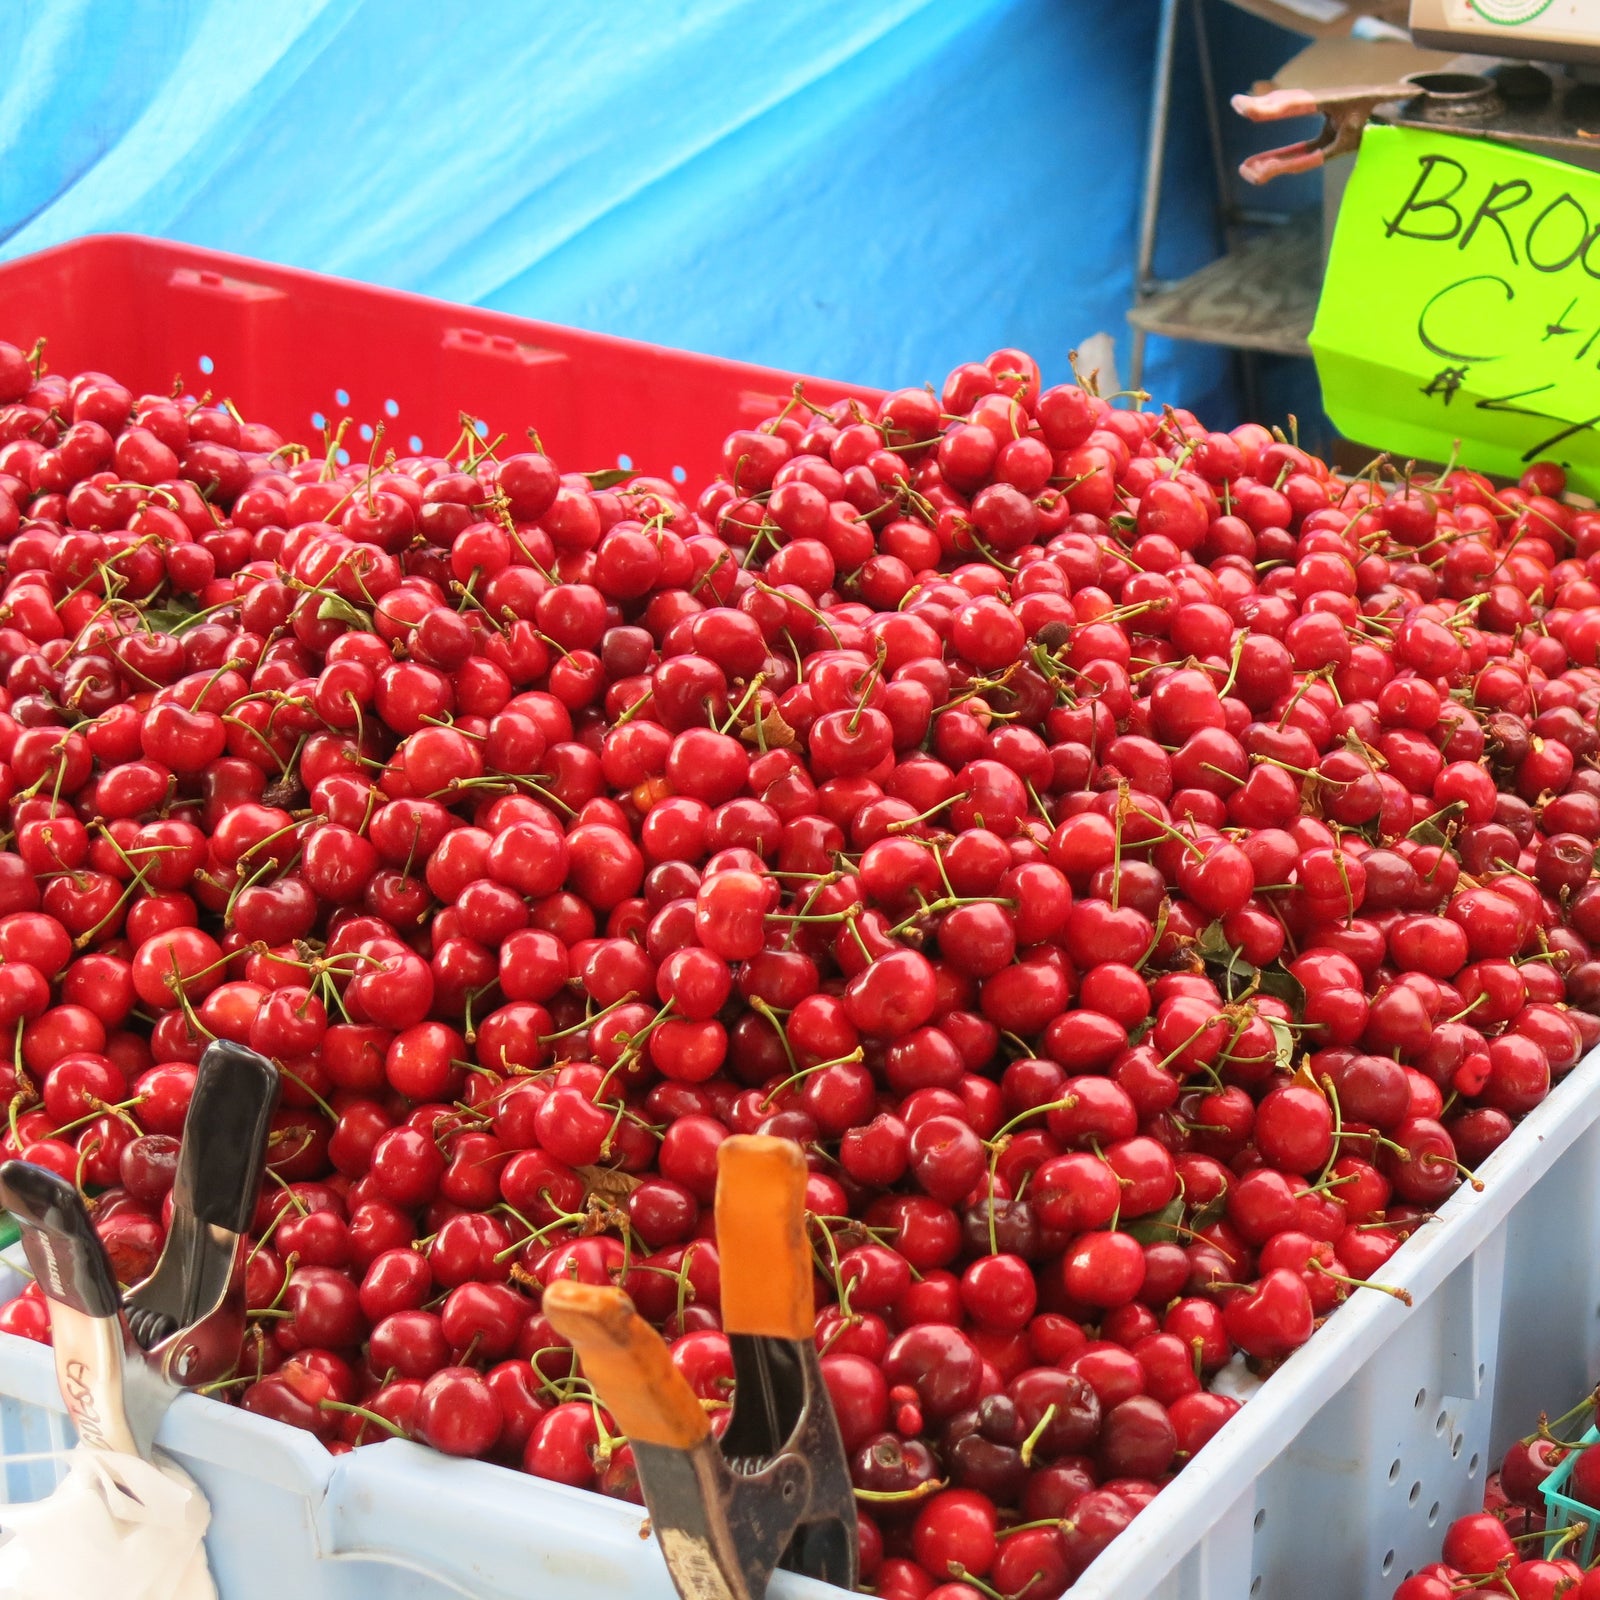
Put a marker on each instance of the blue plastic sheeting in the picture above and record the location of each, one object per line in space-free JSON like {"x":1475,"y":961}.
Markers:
{"x":871,"y":191}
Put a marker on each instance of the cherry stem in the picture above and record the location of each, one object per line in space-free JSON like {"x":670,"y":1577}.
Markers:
{"x":802,"y":1073}
{"x":288,"y":1189}
{"x":1586,"y":1404}
{"x":1120,"y":812}
{"x":762,"y":1009}
{"x":1178,"y":1049}
{"x":921,"y":1491}
{"x":585,"y":1025}
{"x":1535,"y":1534}
{"x":1546,"y":1433}
{"x":266,"y":1235}
{"x":938,"y":907}
{"x":1402,"y":1295}
{"x":1033,"y":1438}
{"x":305,"y":1088}
{"x":1001,"y":1133}
{"x":788,"y":599}
{"x":961,"y":1575}
{"x":1331,"y":1094}
{"x":905,"y":824}
{"x":1574,"y":1531}
{"x":1171,"y":832}
{"x":393,"y":1429}
{"x":1233,"y":670}
{"x":1155,"y":938}
{"x":102,"y":1108}
{"x":275,"y":1309}
{"x":85,"y":1155}
{"x":219,"y":1384}
{"x":744,"y":700}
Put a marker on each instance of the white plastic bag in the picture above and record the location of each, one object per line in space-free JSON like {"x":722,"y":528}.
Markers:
{"x":115,"y":1526}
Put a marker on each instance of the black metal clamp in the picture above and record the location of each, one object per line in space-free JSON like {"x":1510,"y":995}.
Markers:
{"x":121,"y":1359}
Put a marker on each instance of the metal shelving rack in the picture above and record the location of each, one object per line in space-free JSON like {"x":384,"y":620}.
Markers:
{"x":1259,"y":296}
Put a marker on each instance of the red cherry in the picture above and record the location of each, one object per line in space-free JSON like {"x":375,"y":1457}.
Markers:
{"x":955,"y":1534}
{"x":458,"y":1413}
{"x":1272,"y":1319}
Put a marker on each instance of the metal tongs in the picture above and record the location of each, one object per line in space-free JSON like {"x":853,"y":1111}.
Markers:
{"x":775,"y":1490}
{"x":121,"y":1359}
{"x":1345,"y":112}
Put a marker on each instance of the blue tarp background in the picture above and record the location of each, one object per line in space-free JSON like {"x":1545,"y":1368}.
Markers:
{"x":871,"y":191}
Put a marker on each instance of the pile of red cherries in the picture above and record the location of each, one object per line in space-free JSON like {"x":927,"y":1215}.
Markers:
{"x":1142,"y":868}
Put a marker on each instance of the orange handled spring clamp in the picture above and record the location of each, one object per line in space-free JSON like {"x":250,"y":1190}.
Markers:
{"x":775,"y":1490}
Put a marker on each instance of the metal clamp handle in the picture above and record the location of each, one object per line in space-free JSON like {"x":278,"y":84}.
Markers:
{"x":761,"y":1238}
{"x":628,"y":1363}
{"x":86,"y":1329}
{"x":225,"y":1136}
{"x":1345,"y":113}
{"x":62,"y":1247}
{"x":180,"y":1314}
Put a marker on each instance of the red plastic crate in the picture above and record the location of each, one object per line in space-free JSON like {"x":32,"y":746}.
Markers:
{"x":300,"y":351}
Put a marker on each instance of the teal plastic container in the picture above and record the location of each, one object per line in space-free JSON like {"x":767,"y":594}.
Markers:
{"x":1562,"y":1511}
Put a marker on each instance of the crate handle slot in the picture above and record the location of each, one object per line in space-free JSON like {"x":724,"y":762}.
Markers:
{"x":223,"y":287}
{"x":501,"y":345}
{"x":753,"y":403}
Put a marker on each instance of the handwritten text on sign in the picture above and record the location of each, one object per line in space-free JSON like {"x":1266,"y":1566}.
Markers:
{"x":1462,"y":301}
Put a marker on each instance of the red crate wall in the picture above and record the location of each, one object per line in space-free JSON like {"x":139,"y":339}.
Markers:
{"x":300,"y":351}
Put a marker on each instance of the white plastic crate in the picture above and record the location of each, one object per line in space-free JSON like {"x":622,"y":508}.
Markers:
{"x":1336,"y":1479}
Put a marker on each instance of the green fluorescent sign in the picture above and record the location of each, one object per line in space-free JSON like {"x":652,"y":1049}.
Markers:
{"x":1462,"y":302}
